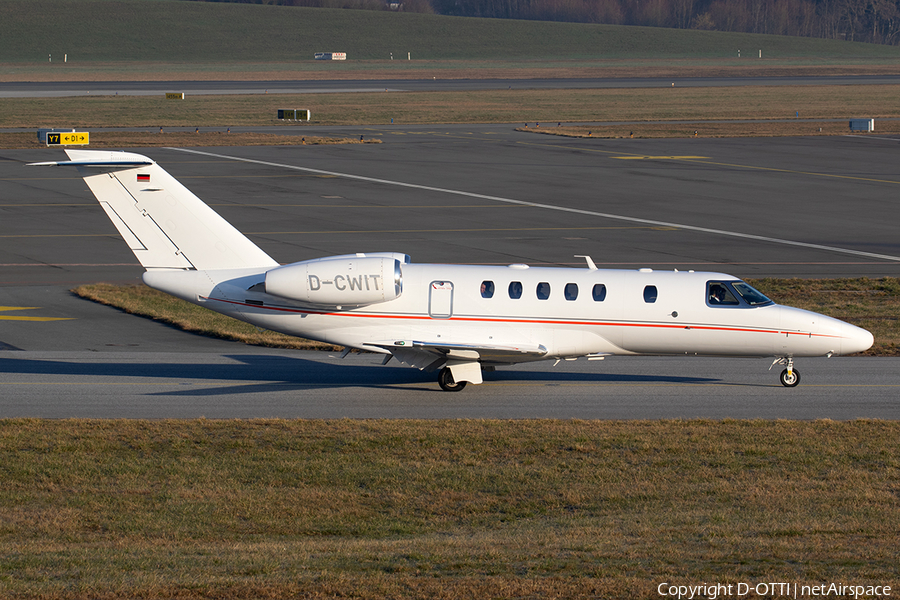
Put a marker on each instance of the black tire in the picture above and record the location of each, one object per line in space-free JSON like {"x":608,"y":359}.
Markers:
{"x":791,"y":381}
{"x":445,"y":380}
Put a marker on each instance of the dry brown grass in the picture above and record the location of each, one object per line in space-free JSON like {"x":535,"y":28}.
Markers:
{"x":146,"y":302}
{"x":709,"y":129}
{"x":445,"y":69}
{"x":440,"y":509}
{"x":757,"y":104}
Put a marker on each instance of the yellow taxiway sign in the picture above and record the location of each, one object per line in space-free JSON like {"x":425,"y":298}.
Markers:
{"x":75,"y":138}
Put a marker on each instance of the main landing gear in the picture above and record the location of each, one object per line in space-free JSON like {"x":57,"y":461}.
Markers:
{"x":790,"y":377}
{"x":445,"y":380}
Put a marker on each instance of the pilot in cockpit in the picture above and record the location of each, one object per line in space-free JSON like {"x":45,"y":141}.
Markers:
{"x":719,"y":295}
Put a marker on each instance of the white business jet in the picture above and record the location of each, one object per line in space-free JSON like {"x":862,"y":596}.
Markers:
{"x":455,"y":319}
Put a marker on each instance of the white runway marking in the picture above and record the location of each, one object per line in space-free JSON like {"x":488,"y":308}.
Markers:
{"x":736,"y":234}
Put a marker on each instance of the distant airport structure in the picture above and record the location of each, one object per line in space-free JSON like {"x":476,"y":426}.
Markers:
{"x":331,"y":56}
{"x":862,"y":124}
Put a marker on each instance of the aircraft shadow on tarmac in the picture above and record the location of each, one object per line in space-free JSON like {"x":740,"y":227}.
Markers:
{"x":259,"y":373}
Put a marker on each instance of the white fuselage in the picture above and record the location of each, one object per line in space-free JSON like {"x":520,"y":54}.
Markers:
{"x":444,"y":304}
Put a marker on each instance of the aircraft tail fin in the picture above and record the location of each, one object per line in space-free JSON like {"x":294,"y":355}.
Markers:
{"x":163,"y":222}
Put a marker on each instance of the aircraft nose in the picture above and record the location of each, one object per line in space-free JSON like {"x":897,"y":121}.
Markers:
{"x":855,"y":339}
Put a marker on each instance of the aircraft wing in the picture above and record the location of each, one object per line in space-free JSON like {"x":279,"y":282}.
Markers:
{"x":433,"y":355}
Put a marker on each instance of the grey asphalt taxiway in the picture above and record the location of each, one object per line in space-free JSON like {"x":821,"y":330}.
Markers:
{"x":50,"y":89}
{"x":805,"y":207}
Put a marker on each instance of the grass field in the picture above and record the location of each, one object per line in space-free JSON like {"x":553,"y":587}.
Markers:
{"x":448,"y":69}
{"x":497,"y":106}
{"x":147,"y":302}
{"x":171,"y":32}
{"x":441,"y":509}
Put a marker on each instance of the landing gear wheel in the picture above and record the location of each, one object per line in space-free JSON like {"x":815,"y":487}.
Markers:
{"x":445,"y":380}
{"x":790,"y":380}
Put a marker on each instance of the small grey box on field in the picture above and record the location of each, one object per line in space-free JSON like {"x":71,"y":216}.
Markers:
{"x":42,"y":133}
{"x":862,"y":124}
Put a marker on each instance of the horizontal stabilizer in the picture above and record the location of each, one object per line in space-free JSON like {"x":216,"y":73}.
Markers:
{"x":98,"y":160}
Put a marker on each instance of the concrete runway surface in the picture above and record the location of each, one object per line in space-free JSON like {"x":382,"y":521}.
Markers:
{"x":807,"y":207}
{"x":257,"y":383}
{"x":50,"y":89}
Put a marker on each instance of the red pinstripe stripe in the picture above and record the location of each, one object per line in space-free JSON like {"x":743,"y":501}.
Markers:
{"x":528,"y":321}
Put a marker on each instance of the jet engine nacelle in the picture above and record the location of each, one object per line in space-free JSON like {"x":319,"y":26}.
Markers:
{"x":338,"y":282}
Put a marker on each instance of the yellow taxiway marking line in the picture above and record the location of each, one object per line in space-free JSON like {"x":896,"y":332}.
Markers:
{"x":18,"y":318}
{"x":636,"y":384}
{"x":62,"y":235}
{"x":703,"y":160}
{"x":793,"y":171}
{"x":515,"y":229}
{"x":105,"y":383}
{"x":4,"y":318}
{"x":291,"y":175}
{"x":289,"y":205}
{"x":358,"y":231}
{"x":368,"y":206}
{"x":659,"y":157}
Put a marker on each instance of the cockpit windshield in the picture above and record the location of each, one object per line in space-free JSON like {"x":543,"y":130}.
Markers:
{"x":751,"y":295}
{"x":718,"y":294}
{"x":734,"y":294}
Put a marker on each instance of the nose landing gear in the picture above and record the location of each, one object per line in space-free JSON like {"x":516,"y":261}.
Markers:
{"x":790,"y":377}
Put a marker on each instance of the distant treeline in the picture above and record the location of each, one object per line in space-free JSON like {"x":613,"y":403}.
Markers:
{"x":876,"y":21}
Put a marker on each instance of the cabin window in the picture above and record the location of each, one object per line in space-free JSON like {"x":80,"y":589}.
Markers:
{"x":650,"y":294}
{"x":543,"y":290}
{"x":571,"y":291}
{"x":515,"y":290}
{"x":487,"y":289}
{"x":599,"y":292}
{"x":718,"y":294}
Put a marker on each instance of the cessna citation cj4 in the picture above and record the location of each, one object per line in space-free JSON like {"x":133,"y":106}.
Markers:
{"x":454,"y":319}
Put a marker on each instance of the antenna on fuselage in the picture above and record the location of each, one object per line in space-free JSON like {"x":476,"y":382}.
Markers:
{"x":590,"y":262}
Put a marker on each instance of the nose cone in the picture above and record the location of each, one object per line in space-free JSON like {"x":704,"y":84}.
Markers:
{"x":827,"y":335}
{"x":855,"y":339}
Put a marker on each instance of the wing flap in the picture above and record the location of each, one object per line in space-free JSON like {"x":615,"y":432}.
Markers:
{"x":433,"y":355}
